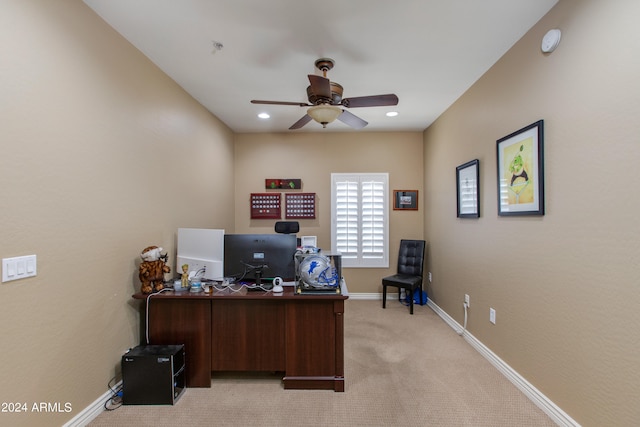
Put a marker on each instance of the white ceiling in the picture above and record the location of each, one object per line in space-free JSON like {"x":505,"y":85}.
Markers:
{"x":427,"y":52}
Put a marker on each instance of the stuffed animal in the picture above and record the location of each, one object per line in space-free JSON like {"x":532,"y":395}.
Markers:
{"x":152,"y":269}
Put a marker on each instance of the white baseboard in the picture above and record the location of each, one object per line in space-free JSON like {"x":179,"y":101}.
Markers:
{"x":92,"y":411}
{"x":371,"y":296}
{"x":540,"y":400}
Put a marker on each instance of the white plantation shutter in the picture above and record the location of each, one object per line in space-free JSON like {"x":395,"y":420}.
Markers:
{"x":373,"y":219}
{"x":359,"y":227}
{"x":346,"y":224}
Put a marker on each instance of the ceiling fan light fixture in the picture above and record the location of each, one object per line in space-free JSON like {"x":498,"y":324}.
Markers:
{"x":325,"y":101}
{"x":324,"y":113}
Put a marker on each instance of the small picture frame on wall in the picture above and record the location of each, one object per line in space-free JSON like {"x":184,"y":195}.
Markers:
{"x":468,"y":189}
{"x":285,"y":184}
{"x":405,"y":200}
{"x":521,"y":171}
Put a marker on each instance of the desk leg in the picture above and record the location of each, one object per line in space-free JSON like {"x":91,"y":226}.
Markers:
{"x":339,"y":314}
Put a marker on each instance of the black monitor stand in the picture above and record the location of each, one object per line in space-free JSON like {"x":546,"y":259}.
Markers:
{"x":258,"y":274}
{"x":259,"y":286}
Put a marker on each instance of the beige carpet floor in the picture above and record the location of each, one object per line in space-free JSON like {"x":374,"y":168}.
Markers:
{"x":400,"y":370}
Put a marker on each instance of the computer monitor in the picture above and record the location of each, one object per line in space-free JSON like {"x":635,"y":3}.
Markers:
{"x":258,"y":257}
{"x":202,"y":250}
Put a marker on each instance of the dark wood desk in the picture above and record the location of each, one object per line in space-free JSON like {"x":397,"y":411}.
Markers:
{"x":300,"y":335}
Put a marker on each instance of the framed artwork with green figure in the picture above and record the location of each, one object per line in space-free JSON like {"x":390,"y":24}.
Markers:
{"x":521,"y":171}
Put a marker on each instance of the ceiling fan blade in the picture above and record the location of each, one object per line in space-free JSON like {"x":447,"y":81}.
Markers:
{"x":352,"y":120}
{"x":370,"y":101}
{"x":299,"y":104}
{"x":320,"y":86}
{"x":303,"y":121}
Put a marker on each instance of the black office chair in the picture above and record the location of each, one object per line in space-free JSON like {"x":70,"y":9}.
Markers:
{"x":287,"y":227}
{"x":409,"y":275}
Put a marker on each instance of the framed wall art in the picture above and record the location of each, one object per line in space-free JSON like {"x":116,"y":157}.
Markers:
{"x":405,"y":200}
{"x":521,"y":171}
{"x":285,"y":184}
{"x":468,"y":189}
{"x":265,"y":205}
{"x":300,"y":206}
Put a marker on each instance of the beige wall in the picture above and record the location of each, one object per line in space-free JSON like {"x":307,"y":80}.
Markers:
{"x":102,"y":155}
{"x":313,"y":157}
{"x":565,"y":285}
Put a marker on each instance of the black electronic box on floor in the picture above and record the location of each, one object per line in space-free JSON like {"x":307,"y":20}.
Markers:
{"x":153,"y":375}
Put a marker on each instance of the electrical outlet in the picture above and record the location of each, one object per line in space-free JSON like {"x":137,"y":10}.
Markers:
{"x":466,"y":300}
{"x":492,"y":316}
{"x":429,"y":277}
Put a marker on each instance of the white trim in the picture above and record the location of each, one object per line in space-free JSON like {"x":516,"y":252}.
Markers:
{"x":371,"y":296}
{"x":540,"y":400}
{"x":89,"y":413}
{"x":554,"y":412}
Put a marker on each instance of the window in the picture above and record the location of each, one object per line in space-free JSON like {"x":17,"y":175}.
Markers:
{"x":359,"y":219}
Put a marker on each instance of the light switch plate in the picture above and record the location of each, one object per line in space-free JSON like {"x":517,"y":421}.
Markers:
{"x":19,"y":267}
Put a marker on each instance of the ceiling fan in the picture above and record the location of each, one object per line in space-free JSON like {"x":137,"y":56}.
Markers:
{"x":325,"y":101}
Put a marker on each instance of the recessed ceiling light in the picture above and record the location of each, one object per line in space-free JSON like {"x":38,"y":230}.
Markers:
{"x":392,"y":113}
{"x":264,"y":115}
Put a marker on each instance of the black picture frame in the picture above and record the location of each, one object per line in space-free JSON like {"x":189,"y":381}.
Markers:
{"x":405,"y":200}
{"x":468,"y":189}
{"x":520,"y":167}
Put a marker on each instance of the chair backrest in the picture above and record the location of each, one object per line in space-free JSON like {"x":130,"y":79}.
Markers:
{"x":411,"y":257}
{"x":287,"y":227}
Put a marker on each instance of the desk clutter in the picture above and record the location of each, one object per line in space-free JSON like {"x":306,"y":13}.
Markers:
{"x":315,"y":273}
{"x":318,"y":273}
{"x":210,"y":261}
{"x":152,"y":269}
